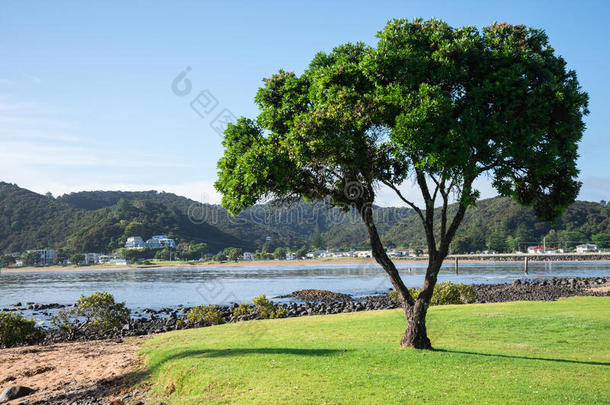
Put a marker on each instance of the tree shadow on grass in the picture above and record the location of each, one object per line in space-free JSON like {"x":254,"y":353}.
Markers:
{"x":215,"y":353}
{"x":509,"y":356}
{"x":118,"y":385}
{"x":210,"y":353}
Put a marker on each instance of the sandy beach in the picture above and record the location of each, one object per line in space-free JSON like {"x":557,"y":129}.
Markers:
{"x":256,"y":263}
{"x":313,"y":262}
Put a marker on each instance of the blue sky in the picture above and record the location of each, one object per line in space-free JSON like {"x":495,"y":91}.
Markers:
{"x":86,"y":98}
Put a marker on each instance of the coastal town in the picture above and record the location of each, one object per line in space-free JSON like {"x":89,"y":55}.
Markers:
{"x":50,"y":257}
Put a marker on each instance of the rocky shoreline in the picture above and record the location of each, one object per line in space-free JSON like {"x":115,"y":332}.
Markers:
{"x":320,"y":302}
{"x":312,"y":302}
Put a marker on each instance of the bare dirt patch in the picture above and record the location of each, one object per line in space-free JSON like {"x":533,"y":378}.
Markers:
{"x":66,"y":370}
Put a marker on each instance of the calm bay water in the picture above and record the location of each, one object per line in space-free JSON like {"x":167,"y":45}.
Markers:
{"x":159,"y":287}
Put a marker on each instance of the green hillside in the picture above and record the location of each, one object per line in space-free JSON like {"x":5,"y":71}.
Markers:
{"x":502,"y":225}
{"x":102,"y":220}
{"x":29,"y":220}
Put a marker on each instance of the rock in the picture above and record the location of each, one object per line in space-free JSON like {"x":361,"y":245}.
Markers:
{"x":318,"y":295}
{"x":516,"y":282}
{"x":17,"y":304}
{"x":16,"y":391}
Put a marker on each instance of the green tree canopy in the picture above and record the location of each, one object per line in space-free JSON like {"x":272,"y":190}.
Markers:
{"x":602,"y":240}
{"x":233,"y":254}
{"x":31,"y":258}
{"x":280,"y":253}
{"x":430,"y":103}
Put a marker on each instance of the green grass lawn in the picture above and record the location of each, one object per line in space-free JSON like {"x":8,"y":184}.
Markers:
{"x":521,"y":352}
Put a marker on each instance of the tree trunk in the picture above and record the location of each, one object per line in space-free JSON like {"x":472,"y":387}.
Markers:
{"x":415,"y":310}
{"x":382,"y":258}
{"x":415,"y":335}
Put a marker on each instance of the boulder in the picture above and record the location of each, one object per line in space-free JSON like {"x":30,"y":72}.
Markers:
{"x":16,"y":391}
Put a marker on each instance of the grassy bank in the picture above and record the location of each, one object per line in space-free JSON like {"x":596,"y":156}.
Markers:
{"x":520,"y":352}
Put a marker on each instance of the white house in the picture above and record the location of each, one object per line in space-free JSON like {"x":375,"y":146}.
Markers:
{"x":342,"y":253}
{"x":587,"y":248}
{"x":153,"y":243}
{"x":135,"y":242}
{"x":317,"y":253}
{"x":248,"y":256}
{"x":120,"y":262}
{"x":363,"y":253}
{"x":107,"y":258}
{"x":160,"y":241}
{"x":535,"y":250}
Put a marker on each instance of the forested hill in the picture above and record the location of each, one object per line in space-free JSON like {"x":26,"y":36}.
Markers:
{"x":102,"y":220}
{"x":502,"y":225}
{"x":29,"y":220}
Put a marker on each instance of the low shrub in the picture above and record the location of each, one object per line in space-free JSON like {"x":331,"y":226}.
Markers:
{"x":208,"y":314}
{"x":444,"y":294}
{"x":280,"y":312}
{"x":449,"y":293}
{"x":102,"y":312}
{"x":99,"y":310}
{"x":15,"y":329}
{"x":241,"y":310}
{"x":263,"y":306}
{"x":65,"y":320}
{"x":267,"y":309}
{"x":395,"y":297}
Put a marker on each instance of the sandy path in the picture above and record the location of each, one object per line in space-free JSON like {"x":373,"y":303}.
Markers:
{"x":68,"y":368}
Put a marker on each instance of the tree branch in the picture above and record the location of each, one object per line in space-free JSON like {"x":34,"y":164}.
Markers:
{"x":429,"y":219}
{"x":409,"y":203}
{"x":457,"y":219}
{"x":382,"y":258}
{"x":445,"y":196}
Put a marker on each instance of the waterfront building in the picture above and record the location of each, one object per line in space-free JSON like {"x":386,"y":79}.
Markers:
{"x":91,"y":258}
{"x":536,"y":250}
{"x":317,"y":253}
{"x":47,"y":256}
{"x":587,"y":248}
{"x":160,"y":241}
{"x":363,"y":253}
{"x":135,"y":242}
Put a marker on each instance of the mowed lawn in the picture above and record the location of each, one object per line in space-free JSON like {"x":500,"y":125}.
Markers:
{"x":521,"y":352}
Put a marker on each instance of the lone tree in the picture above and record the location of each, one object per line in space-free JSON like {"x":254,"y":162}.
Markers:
{"x":432,"y":104}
